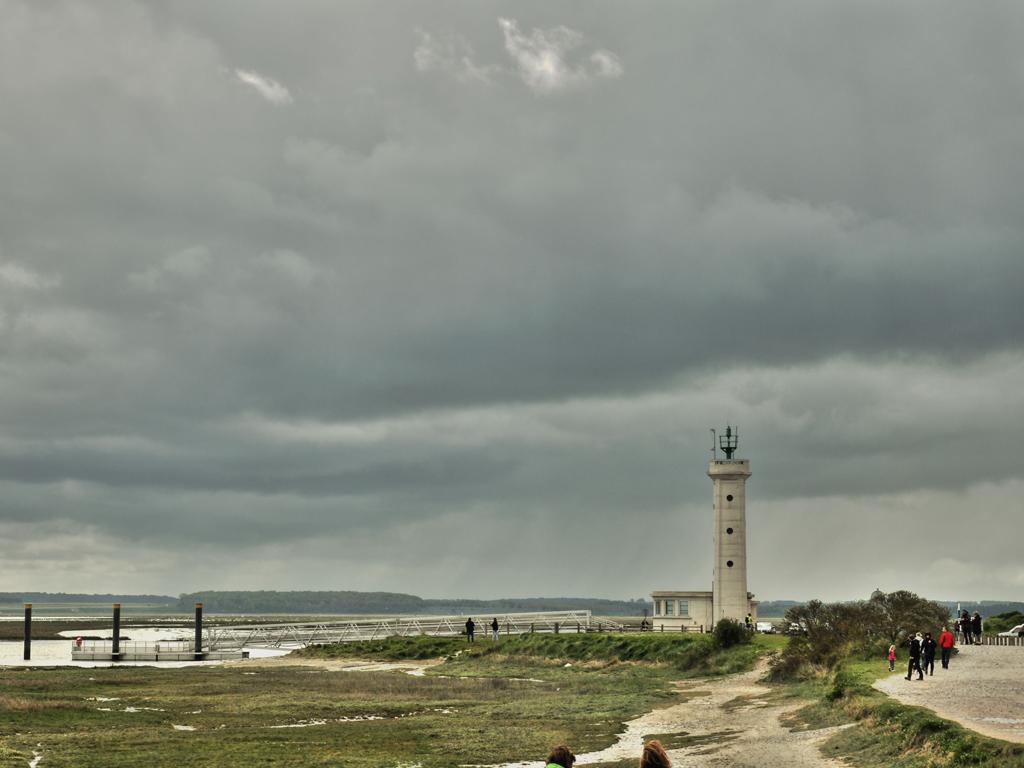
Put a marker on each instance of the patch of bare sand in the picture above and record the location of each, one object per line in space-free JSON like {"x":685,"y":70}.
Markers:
{"x":728,"y":721}
{"x":411,"y":667}
{"x":983,"y":690}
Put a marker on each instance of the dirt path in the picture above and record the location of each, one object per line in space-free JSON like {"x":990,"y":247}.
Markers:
{"x":983,"y":690}
{"x":724,"y":722}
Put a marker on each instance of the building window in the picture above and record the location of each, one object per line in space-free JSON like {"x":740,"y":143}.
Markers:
{"x":657,"y":607}
{"x":670,"y":606}
{"x":684,"y":607}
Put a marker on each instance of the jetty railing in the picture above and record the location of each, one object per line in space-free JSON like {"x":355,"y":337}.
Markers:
{"x":138,"y":650}
{"x":299,"y":634}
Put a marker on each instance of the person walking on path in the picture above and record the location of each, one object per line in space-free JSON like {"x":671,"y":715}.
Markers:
{"x":470,"y":626}
{"x":946,"y":643}
{"x":915,"y":657}
{"x":654,"y":756}
{"x":892,"y":658}
{"x":561,"y":757}
{"x":976,"y":627}
{"x":494,"y":629}
{"x":928,"y":646}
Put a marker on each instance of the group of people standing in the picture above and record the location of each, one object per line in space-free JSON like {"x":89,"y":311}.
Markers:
{"x":922,"y":650}
{"x":653,"y":756}
{"x":471,"y":629}
{"x":968,"y":628}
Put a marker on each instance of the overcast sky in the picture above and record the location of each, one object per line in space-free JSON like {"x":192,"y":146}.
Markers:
{"x":443,"y":297}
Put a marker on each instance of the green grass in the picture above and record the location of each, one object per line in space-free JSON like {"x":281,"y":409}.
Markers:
{"x":466,"y":710}
{"x":690,"y":655}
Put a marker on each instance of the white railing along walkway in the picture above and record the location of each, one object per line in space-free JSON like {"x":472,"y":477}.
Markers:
{"x":298,"y":634}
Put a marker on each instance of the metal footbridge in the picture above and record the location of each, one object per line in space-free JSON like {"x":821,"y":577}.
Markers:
{"x":299,"y":634}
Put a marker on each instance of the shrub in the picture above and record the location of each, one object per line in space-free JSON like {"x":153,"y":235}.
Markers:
{"x":1003,"y":622}
{"x":842,"y":682}
{"x":729,"y":632}
{"x":835,"y":631}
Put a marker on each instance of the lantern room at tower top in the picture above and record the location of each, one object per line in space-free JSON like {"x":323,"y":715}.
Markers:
{"x":728,"y":598}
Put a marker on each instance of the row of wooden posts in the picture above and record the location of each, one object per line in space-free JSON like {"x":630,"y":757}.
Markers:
{"x":115,"y":649}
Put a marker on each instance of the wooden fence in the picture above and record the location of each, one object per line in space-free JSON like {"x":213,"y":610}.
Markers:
{"x":1017,"y":641}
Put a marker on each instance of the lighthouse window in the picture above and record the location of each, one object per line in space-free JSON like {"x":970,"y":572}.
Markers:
{"x":728,"y":530}
{"x":729,"y":563}
{"x":729,"y":497}
{"x":684,"y":607}
{"x":670,"y":606}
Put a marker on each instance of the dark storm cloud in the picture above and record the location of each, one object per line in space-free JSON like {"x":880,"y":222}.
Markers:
{"x":393,"y":266}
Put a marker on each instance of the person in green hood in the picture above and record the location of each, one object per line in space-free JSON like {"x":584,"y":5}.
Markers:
{"x":561,"y":757}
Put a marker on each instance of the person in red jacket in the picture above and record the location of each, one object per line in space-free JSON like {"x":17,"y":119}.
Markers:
{"x":946,"y":643}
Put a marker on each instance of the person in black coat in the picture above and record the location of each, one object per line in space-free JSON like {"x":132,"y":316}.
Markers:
{"x":976,"y":627}
{"x":915,"y":657}
{"x":965,"y":627}
{"x":928,"y":647}
{"x":470,"y":626}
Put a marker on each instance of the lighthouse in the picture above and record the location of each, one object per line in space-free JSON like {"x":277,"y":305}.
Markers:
{"x":729,"y":477}
{"x":696,"y":610}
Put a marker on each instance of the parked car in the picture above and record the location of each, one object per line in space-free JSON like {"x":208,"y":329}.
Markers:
{"x":1017,"y":631}
{"x":765,"y":627}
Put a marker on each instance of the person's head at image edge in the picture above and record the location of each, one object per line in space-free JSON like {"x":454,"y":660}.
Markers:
{"x":561,"y":756}
{"x":654,"y":756}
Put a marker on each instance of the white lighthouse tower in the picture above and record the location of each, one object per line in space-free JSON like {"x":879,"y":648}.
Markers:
{"x":730,"y":599}
{"x":698,"y":610}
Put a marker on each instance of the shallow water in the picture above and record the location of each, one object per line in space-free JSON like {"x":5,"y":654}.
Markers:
{"x":57,"y":653}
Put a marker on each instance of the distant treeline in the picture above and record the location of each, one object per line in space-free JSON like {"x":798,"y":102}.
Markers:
{"x":70,"y":597}
{"x":394,"y":602}
{"x":776,"y":608}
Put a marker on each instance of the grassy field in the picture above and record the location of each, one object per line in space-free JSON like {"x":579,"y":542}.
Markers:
{"x":886,"y":733}
{"x":485,"y":704}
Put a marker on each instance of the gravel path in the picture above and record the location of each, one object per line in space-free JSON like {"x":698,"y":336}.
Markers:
{"x":983,"y":690}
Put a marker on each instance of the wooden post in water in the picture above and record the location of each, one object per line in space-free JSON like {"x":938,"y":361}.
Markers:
{"x":115,"y":649}
{"x":28,"y":631}
{"x":199,"y":631}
